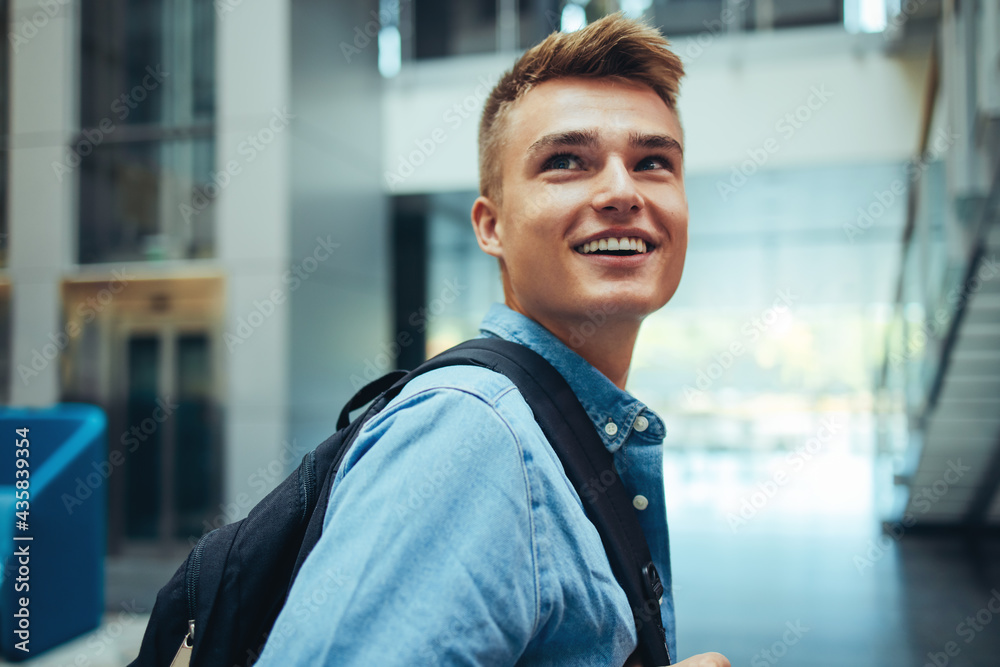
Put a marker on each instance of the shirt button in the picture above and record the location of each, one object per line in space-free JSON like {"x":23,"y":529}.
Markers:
{"x":640,"y":502}
{"x":610,"y":428}
{"x":641,"y":423}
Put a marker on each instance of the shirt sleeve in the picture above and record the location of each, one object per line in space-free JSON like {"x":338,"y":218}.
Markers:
{"x":428,"y":551}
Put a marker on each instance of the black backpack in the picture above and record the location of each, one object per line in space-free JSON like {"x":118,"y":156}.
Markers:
{"x":220,"y":605}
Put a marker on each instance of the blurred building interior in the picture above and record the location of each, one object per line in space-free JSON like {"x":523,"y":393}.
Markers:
{"x":219,"y":218}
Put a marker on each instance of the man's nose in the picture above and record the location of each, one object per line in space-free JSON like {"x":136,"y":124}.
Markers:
{"x":616,"y":190}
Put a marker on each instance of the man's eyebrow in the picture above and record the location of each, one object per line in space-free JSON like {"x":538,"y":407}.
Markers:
{"x":563,"y":139}
{"x":661,"y":142}
{"x":589,"y":138}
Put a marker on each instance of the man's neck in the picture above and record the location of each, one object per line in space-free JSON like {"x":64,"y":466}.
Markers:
{"x":607,"y":346}
{"x":609,"y":350}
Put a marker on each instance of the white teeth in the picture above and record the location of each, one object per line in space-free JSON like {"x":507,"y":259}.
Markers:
{"x":624,"y":243}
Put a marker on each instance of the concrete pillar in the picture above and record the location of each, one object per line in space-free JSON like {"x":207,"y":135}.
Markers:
{"x":44,"y":50}
{"x":252,"y":231}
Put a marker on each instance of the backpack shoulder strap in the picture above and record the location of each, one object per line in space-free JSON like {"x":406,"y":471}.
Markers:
{"x":588,"y":464}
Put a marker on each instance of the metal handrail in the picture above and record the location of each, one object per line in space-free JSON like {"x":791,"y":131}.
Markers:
{"x":927,"y":112}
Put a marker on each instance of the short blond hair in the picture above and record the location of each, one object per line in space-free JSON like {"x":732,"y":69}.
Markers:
{"x":613,"y":47}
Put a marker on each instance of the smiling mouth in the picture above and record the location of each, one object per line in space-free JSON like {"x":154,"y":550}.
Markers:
{"x":616,"y":247}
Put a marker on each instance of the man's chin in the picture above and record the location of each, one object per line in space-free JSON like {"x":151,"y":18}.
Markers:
{"x":623,"y":307}
{"x":602,"y":310}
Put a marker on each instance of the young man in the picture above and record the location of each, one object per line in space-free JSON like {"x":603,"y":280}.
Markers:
{"x":453,"y":536}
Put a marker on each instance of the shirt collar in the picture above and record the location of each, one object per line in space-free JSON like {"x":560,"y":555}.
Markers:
{"x":604,"y":402}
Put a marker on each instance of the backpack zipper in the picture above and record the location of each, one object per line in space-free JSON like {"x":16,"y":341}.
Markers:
{"x":307,"y":482}
{"x":191,"y":584}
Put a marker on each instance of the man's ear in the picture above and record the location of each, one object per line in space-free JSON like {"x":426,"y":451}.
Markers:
{"x":485,"y":221}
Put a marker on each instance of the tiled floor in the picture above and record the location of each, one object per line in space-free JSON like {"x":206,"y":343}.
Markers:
{"x":812,"y":557}
{"x":738,"y":597}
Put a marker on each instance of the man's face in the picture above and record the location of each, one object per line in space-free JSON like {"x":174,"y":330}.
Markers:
{"x":589,"y":160}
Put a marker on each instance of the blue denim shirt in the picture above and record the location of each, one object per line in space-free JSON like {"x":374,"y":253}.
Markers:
{"x":453,"y":536}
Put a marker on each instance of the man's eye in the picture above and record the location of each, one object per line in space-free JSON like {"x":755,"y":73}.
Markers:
{"x":655,"y":162}
{"x":563,"y":162}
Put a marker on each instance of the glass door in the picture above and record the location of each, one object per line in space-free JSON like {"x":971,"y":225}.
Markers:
{"x":169,"y":442}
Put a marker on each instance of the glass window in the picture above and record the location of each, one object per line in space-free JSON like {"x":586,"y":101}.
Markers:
{"x":454,"y":27}
{"x":764,"y":14}
{"x":145,"y":151}
{"x":442,"y":28}
{"x":689,"y":17}
{"x":536,"y":19}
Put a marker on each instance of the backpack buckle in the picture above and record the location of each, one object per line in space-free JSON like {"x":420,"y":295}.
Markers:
{"x":651,"y":580}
